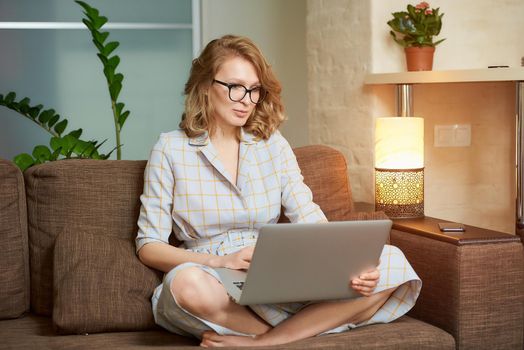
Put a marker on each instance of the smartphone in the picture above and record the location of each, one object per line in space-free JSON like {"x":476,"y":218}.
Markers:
{"x":451,"y":227}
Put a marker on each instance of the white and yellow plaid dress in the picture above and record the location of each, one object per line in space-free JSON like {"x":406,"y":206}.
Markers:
{"x":187,"y":191}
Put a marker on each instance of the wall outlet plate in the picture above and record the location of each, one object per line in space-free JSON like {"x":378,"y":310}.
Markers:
{"x":455,"y":135}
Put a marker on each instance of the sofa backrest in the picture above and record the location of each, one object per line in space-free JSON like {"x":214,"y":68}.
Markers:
{"x":14,"y":263}
{"x":325,"y":172}
{"x":102,"y":198}
{"x":77,"y":195}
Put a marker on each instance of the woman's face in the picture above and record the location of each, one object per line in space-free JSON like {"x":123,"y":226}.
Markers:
{"x":227,"y":113}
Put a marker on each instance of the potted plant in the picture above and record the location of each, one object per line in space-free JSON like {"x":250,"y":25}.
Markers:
{"x":414,"y":30}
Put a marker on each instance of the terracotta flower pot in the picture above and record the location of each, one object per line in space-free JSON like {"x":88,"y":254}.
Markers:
{"x":419,"y":58}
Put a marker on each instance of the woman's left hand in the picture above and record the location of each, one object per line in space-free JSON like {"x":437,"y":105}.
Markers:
{"x":366,"y":282}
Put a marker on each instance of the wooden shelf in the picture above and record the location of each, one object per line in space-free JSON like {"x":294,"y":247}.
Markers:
{"x":447,"y":76}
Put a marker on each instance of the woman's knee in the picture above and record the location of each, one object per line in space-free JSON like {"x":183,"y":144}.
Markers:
{"x":197,"y":291}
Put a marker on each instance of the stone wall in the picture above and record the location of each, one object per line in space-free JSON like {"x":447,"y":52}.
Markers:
{"x":339,"y":112}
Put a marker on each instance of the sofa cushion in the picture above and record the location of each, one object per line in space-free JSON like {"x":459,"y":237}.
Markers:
{"x":404,"y":333}
{"x":14,"y":261}
{"x":100,"y":285}
{"x":92,"y":196}
{"x":37,"y":332}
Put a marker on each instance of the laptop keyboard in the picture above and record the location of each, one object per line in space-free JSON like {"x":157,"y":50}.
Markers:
{"x":239,"y":285}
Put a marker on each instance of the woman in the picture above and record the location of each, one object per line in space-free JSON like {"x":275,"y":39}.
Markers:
{"x":214,"y":183}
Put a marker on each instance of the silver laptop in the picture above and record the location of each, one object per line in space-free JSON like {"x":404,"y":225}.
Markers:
{"x":306,"y":262}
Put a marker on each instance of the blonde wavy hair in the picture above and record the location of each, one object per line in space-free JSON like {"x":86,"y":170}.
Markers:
{"x":198,"y":115}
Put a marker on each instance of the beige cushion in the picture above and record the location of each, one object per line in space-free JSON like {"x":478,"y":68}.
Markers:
{"x":14,"y":261}
{"x":100,"y":285}
{"x":92,"y":196}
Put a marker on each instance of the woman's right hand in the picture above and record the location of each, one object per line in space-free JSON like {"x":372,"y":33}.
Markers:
{"x":239,"y":260}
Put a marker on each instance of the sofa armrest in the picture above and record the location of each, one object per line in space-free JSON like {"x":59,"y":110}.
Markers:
{"x":472,"y":282}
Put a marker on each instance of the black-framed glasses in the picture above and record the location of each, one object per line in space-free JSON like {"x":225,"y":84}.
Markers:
{"x":237,"y":92}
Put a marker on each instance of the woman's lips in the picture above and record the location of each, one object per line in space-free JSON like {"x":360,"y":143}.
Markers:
{"x":240,"y":113}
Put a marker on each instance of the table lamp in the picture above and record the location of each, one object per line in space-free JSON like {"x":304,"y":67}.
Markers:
{"x":399,"y":166}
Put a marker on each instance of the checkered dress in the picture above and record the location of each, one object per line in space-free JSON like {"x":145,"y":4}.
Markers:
{"x":188,"y":191}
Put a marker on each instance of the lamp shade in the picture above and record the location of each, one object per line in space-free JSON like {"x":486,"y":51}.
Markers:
{"x":399,"y":166}
{"x":399,"y":143}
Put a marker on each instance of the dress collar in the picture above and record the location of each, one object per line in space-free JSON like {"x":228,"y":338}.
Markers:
{"x":203,"y":140}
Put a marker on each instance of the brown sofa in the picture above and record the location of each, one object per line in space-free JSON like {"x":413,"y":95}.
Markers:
{"x":69,"y":277}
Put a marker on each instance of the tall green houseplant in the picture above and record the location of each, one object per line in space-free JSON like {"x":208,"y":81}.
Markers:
{"x":70,"y":145}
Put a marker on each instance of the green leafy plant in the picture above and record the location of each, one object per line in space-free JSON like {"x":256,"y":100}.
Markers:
{"x":94,"y":23}
{"x":417,"y":26}
{"x":63,"y":146}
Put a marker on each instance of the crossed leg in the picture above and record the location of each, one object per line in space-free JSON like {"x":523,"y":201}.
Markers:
{"x":202,"y":295}
{"x":310,"y":321}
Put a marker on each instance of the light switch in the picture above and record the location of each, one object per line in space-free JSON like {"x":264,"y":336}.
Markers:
{"x":456,"y":135}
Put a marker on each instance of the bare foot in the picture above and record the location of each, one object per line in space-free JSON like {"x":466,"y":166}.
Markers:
{"x":211,"y":339}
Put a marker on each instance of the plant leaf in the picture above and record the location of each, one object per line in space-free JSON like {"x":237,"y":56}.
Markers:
{"x":24,"y":161}
{"x":100,"y":21}
{"x":119,"y":77}
{"x":46,"y":115}
{"x":438,"y":42}
{"x":114,"y":90}
{"x":99,"y":46}
{"x":100,"y":37}
{"x":55,"y":154}
{"x":82,"y":147}
{"x":41,"y":153}
{"x":55,"y":143}
{"x":23,"y":105}
{"x":106,"y":156}
{"x":60,"y":127}
{"x":68,"y":142}
{"x":109,"y":72}
{"x":119,"y":106}
{"x":113,"y":61}
{"x":110,"y":47}
{"x":84,"y":5}
{"x":53,"y":120}
{"x":102,"y":58}
{"x":91,"y":12}
{"x":76,"y":133}
{"x":123,"y":117}
{"x":88,"y":24}
{"x":34,"y":111}
{"x":10,"y":97}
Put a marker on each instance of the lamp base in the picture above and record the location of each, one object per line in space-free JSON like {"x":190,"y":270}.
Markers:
{"x":402,"y":211}
{"x":400,"y":193}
